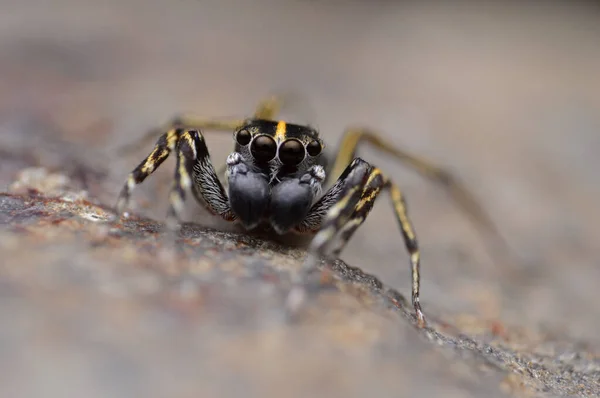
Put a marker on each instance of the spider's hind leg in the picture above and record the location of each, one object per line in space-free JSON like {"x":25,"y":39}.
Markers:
{"x":496,"y":245}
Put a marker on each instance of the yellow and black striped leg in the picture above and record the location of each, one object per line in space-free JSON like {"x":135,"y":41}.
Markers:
{"x":164,"y":146}
{"x":181,"y":183}
{"x":353,"y":138}
{"x":376,"y":183}
{"x":347,"y":214}
{"x":412,"y":246}
{"x":194,"y":171}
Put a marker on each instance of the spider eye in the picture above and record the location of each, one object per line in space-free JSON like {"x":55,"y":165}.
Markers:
{"x":263,"y":148}
{"x":291,"y":152}
{"x":243,"y":137}
{"x":313,"y":148}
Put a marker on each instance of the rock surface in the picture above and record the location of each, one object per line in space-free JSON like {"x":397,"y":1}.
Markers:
{"x":99,"y":306}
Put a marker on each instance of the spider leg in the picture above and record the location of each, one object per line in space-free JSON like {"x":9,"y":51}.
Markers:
{"x":193,"y":171}
{"x":164,"y":146}
{"x":340,"y":212}
{"x":355,"y":136}
{"x":376,"y":183}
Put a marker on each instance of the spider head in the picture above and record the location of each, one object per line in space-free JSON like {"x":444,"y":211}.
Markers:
{"x":277,"y":147}
{"x":269,"y":177}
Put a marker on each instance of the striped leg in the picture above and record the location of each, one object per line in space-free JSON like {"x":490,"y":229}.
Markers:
{"x":346,"y":206}
{"x":412,"y":246}
{"x":194,"y":171}
{"x":376,"y":183}
{"x":163,"y":148}
{"x":195,"y":164}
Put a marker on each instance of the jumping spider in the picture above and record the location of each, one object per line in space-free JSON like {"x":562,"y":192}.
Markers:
{"x":275,"y":176}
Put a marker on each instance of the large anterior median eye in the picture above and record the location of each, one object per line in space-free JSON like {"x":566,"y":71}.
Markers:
{"x":263,"y":148}
{"x":291,"y":152}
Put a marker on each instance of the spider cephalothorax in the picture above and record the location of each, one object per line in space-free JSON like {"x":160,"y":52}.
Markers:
{"x":275,"y":176}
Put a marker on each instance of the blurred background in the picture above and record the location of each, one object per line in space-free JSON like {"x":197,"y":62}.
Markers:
{"x":506,"y":95}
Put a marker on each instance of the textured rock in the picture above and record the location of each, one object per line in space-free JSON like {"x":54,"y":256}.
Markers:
{"x":97,"y":306}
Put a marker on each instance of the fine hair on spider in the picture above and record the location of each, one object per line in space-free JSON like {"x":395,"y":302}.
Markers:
{"x":276,"y":177}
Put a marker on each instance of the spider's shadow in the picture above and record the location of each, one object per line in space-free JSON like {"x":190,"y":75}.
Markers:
{"x":263,"y":233}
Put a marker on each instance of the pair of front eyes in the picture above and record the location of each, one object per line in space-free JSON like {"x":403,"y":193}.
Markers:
{"x":264,"y":148}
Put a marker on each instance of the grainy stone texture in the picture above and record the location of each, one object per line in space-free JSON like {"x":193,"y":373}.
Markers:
{"x":505,"y":95}
{"x":95,"y":305}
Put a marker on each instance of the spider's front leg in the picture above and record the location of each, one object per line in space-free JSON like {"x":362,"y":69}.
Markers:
{"x":340,"y":212}
{"x":162,"y":149}
{"x":194,"y":171}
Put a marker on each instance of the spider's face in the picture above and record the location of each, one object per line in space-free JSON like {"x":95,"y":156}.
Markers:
{"x":273,"y":174}
{"x":278,"y":148}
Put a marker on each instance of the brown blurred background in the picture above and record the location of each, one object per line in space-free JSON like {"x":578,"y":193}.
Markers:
{"x":506,"y":95}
